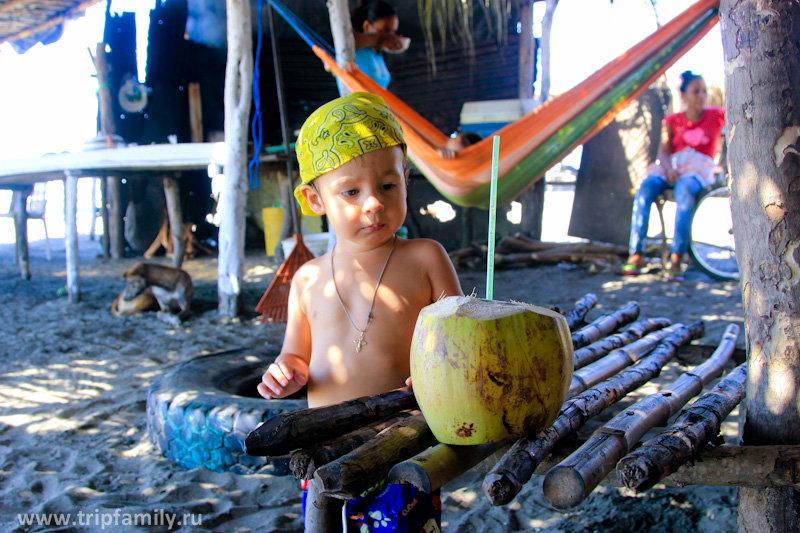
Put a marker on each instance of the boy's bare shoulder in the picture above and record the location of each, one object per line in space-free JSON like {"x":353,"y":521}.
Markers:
{"x":424,"y":248}
{"x":312,"y":269}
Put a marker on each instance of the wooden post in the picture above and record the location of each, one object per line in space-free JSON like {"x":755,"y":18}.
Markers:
{"x":342,"y":31}
{"x":532,"y":199}
{"x":527,"y":50}
{"x":175,"y":215}
{"x":762,"y":109}
{"x":238,"y":97}
{"x":19,"y":205}
{"x":195,"y":112}
{"x":71,"y":236}
{"x":115,"y":228}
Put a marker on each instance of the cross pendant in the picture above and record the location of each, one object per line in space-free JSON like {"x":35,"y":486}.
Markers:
{"x":359,"y":342}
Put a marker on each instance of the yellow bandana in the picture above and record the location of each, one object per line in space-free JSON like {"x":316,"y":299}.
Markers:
{"x":340,"y":131}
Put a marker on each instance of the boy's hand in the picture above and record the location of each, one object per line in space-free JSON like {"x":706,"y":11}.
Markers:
{"x":282,"y":379}
{"x":408,"y":382}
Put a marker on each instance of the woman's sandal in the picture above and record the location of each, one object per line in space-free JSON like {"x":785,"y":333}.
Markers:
{"x":673,"y":275}
{"x":629,"y":269}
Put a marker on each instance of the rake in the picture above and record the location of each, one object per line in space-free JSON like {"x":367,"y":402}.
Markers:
{"x":275,"y":301}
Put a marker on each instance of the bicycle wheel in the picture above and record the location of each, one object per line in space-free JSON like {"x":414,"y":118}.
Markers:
{"x":711,"y":246}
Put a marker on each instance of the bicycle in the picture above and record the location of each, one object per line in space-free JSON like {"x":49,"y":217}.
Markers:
{"x":711,"y":243}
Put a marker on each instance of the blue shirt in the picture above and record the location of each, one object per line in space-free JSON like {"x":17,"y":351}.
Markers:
{"x":373,"y":65}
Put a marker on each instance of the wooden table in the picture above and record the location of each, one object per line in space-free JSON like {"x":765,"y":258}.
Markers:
{"x":165,"y":160}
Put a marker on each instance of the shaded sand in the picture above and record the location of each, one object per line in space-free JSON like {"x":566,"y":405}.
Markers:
{"x":74,"y":380}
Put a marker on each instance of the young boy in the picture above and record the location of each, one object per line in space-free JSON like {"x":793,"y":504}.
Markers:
{"x":352,"y":311}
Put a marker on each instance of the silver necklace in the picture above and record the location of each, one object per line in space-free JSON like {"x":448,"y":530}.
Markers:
{"x":360,"y":342}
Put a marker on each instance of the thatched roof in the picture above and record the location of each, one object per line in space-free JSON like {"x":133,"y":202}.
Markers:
{"x":26,"y":22}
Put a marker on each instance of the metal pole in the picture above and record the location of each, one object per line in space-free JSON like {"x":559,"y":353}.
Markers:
{"x":284,"y":115}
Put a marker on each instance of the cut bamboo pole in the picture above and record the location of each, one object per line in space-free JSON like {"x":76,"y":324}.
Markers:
{"x":352,"y":474}
{"x":605,"y":324}
{"x":516,"y":467}
{"x":683,"y":441}
{"x":431,"y":469}
{"x":616,"y":360}
{"x":303,"y":463}
{"x":637,"y":330}
{"x":323,"y":514}
{"x":582,"y":307}
{"x":568,"y":484}
{"x":282,"y":434}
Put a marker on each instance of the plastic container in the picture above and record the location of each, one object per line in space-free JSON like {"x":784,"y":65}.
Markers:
{"x":273,"y":219}
{"x":317,"y":243}
{"x":488,"y":116}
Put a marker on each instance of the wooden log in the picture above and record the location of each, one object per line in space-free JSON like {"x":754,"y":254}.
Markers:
{"x":456,"y":256}
{"x":582,"y":307}
{"x":303,"y":463}
{"x":19,"y":200}
{"x":352,"y":474}
{"x":688,"y":435}
{"x":604,"y":325}
{"x":568,"y":484}
{"x":565,"y":257}
{"x":323,"y":513}
{"x":175,"y":216}
{"x":616,"y":360}
{"x":522,"y":243}
{"x":637,"y":330}
{"x":282,"y":434}
{"x":431,"y":469}
{"x":516,"y":467}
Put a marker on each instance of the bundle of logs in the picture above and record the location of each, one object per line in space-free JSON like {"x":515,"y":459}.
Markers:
{"x":349,"y":447}
{"x":521,"y":250}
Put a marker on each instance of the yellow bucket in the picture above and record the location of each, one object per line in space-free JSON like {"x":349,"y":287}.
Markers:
{"x":273,"y":219}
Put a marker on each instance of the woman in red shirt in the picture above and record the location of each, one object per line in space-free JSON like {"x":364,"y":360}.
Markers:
{"x":685,"y":163}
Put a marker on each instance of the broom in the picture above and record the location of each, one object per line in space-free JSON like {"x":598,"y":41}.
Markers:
{"x":275,"y":301}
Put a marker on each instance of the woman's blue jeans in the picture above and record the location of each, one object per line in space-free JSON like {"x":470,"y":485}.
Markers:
{"x":686,"y":190}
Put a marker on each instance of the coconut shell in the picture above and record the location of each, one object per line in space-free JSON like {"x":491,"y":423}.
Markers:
{"x":485,"y":371}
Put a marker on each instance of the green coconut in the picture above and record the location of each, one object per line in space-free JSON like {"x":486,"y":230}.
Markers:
{"x":486,"y":371}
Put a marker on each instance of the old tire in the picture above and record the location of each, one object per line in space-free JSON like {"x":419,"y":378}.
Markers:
{"x":200,"y":412}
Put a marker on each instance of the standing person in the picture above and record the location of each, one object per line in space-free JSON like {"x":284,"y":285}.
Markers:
{"x":352,"y":311}
{"x":686,"y":164}
{"x":375,"y":25}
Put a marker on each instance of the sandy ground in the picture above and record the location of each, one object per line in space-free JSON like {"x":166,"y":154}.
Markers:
{"x":74,"y":380}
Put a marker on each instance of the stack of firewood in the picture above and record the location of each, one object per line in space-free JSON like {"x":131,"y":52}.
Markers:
{"x":521,"y":250}
{"x":349,"y":447}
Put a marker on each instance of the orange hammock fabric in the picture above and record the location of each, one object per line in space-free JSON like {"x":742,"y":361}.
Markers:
{"x":458,"y":177}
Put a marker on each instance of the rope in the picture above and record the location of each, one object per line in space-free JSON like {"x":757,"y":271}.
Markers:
{"x":303,"y":30}
{"x":256,"y":128}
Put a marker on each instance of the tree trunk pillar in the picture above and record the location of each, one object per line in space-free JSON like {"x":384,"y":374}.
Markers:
{"x":238,"y":86}
{"x":342,"y":32}
{"x":763,"y":121}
